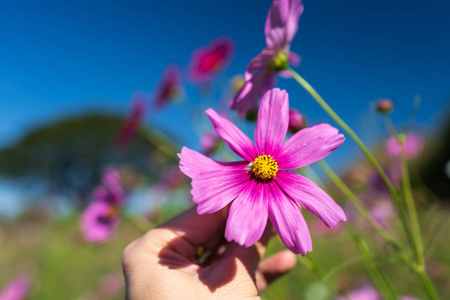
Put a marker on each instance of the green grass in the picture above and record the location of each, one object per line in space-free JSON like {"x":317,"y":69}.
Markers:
{"x":64,"y":266}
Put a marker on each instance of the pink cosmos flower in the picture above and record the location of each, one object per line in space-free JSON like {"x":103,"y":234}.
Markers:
{"x":413,"y":144}
{"x":259,"y":186}
{"x":133,"y":121}
{"x":17,"y":289}
{"x":260,"y":76}
{"x":169,"y":87}
{"x":100,"y":219}
{"x":208,"y":62}
{"x":110,"y":285}
{"x":366,"y":292}
{"x":383,"y":211}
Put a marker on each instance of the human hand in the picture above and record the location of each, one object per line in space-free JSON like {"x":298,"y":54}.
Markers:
{"x":165,"y":263}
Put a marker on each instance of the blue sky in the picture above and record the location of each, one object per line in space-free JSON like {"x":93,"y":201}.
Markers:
{"x":61,"y":57}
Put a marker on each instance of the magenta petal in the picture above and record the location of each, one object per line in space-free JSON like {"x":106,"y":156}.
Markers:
{"x":282,"y":23}
{"x":294,"y":59}
{"x":295,"y":11}
{"x":233,"y":136}
{"x":214,"y":184}
{"x":273,"y":121}
{"x":192,"y":163}
{"x":111,"y":180}
{"x":212,"y":190}
{"x":259,"y":79}
{"x":260,"y":63}
{"x":308,"y":146}
{"x":311,"y":197}
{"x":275,"y":26}
{"x":247,"y":100}
{"x":248,"y":215}
{"x":288,"y":221}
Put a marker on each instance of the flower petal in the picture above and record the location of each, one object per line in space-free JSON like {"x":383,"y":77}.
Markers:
{"x":275,"y":27}
{"x":308,"y":146}
{"x":214,"y":184}
{"x":258,"y":64}
{"x":248,"y":215}
{"x":295,"y":11}
{"x":273,"y":121}
{"x":288,"y":221}
{"x":233,"y":136}
{"x":111,"y":180}
{"x":213,"y":190}
{"x":311,"y":197}
{"x":192,"y":162}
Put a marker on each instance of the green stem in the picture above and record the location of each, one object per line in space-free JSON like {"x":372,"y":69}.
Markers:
{"x":139,"y":222}
{"x":432,"y":235}
{"x":432,"y":294}
{"x":390,"y":127}
{"x":156,"y":142}
{"x":380,"y":280}
{"x":345,"y":264}
{"x":418,"y":244}
{"x":363,"y":211}
{"x":363,"y":148}
{"x":313,"y":266}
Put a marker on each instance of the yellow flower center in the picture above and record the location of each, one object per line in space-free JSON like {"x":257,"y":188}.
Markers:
{"x":265,"y":167}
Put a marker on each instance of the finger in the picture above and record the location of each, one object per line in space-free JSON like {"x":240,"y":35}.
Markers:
{"x":197,"y":230}
{"x":273,"y":267}
{"x":250,"y":257}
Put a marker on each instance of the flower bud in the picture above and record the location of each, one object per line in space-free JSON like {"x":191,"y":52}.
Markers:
{"x":384,"y":105}
{"x":296,"y":120}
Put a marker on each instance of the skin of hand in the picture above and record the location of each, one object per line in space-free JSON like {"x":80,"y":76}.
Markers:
{"x":163,"y":264}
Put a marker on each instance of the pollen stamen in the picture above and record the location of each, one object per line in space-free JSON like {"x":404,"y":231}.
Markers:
{"x":265,"y":167}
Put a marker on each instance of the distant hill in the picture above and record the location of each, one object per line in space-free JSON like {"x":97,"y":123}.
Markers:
{"x":69,"y":155}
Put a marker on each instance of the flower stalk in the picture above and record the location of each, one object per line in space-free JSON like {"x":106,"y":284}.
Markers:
{"x":363,"y":211}
{"x":312,"y":265}
{"x":363,"y":148}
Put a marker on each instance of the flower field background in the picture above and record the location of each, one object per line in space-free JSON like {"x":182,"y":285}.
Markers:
{"x":141,"y":115}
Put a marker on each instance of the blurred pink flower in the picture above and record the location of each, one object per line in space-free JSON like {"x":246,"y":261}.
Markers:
{"x":366,"y":292}
{"x":169,"y":87}
{"x":110,"y":285}
{"x":133,"y":121}
{"x":259,"y":186}
{"x":17,"y":289}
{"x":102,"y":216}
{"x":413,"y":144}
{"x":208,"y":62}
{"x":280,"y":28}
{"x":209,"y":142}
{"x":383,"y":211}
